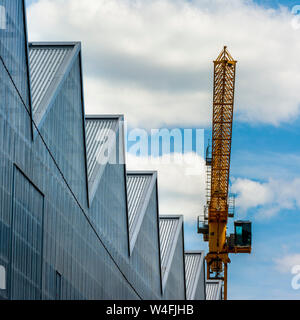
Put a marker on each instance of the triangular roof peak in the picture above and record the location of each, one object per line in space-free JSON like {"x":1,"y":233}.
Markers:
{"x":140,"y":185}
{"x":194,"y":262}
{"x":169,"y":229}
{"x":49,"y":63}
{"x":101,"y":143}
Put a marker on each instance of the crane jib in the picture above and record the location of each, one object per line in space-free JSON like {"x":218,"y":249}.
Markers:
{"x":219,"y":206}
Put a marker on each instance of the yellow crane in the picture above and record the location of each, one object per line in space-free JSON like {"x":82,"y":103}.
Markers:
{"x":220,"y":205}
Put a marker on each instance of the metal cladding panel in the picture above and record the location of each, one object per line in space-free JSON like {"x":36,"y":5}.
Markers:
{"x":174,"y":286}
{"x":13,"y":73}
{"x":14,"y":119}
{"x":145,"y":258}
{"x":63,"y":131}
{"x":108,"y":208}
{"x":13,"y":46}
{"x":45,"y":62}
{"x":98,"y":133}
{"x":137,"y":187}
{"x":167,"y":229}
{"x":213,"y":289}
{"x":27,"y":240}
{"x":192,"y":271}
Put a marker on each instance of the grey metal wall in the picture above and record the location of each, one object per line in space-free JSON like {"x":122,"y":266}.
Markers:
{"x":201,"y":290}
{"x":27,"y":239}
{"x":13,"y":44}
{"x":12,"y":114}
{"x":45,"y":62}
{"x":175,"y":285}
{"x":213,"y":290}
{"x":52,"y":244}
{"x":195,"y":275}
{"x":108,"y":208}
{"x":63,"y":133}
{"x":137,"y":190}
{"x":145,"y":255}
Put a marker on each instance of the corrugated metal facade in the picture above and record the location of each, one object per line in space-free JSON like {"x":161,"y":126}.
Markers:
{"x":174,"y":285}
{"x":27,"y":239}
{"x":195,"y":275}
{"x":213,"y":290}
{"x":13,"y":45}
{"x":98,"y":134}
{"x":192,"y":266}
{"x":54,"y":243}
{"x":45,"y":62}
{"x":63,"y":132}
{"x":168,"y":228}
{"x":172,"y":257}
{"x":137,"y":187}
{"x":145,"y":255}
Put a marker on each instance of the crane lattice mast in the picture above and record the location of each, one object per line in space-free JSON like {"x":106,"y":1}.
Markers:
{"x":216,"y":211}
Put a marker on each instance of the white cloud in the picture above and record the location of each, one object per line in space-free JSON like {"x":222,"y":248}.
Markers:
{"x":251,"y":193}
{"x":181,"y":184}
{"x":141,"y":106}
{"x":151,"y":60}
{"x":268,"y":197}
{"x":286,"y":263}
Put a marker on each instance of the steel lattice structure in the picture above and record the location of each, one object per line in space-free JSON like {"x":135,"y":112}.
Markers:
{"x":220,"y":205}
{"x":223,"y":99}
{"x":224,"y":80}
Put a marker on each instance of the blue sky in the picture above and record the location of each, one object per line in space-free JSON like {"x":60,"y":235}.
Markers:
{"x":265,"y":165}
{"x":276,"y":3}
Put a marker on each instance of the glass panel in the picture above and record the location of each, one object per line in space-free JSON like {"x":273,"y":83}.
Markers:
{"x":243,"y":234}
{"x":239,"y":230}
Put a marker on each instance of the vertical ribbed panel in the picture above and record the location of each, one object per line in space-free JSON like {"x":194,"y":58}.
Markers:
{"x":98,"y":132}
{"x":13,"y":46}
{"x":167,"y":229}
{"x":213,"y":290}
{"x":137,"y":186}
{"x":192,"y":266}
{"x":45,"y":62}
{"x":27,"y":240}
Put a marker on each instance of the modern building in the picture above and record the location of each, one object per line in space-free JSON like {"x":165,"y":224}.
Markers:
{"x":74,"y":223}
